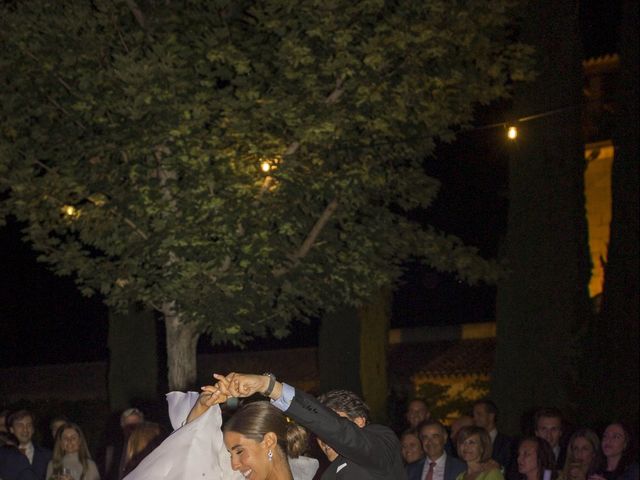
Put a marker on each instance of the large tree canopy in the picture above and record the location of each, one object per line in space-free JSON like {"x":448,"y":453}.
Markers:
{"x":133,"y":135}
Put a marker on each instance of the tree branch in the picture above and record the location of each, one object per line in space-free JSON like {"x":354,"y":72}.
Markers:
{"x":120,"y":36}
{"x":332,"y":98}
{"x":137,"y":13}
{"x":305,"y":248}
{"x":315,"y":231}
{"x":55,"y":103}
{"x":337,"y":92}
{"x":60,"y":80}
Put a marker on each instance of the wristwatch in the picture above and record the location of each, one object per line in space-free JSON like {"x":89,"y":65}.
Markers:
{"x":272,"y":383}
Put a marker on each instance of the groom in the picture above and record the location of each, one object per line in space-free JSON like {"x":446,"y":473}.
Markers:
{"x":339,"y":418}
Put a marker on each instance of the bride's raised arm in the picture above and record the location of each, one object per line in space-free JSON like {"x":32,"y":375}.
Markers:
{"x":210,"y":396}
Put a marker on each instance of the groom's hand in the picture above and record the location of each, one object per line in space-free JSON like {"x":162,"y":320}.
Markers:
{"x":242,"y":384}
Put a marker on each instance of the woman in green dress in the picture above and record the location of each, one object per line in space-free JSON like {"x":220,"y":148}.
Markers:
{"x":474,"y":448}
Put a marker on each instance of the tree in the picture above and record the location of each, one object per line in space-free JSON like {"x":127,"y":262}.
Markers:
{"x":543,"y":304}
{"x":133,"y":136}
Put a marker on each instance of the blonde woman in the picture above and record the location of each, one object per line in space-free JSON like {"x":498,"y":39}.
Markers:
{"x":583,"y":455}
{"x":71,"y":459}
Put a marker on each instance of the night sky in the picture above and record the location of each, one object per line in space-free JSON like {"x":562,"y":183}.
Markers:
{"x":44,"y":319}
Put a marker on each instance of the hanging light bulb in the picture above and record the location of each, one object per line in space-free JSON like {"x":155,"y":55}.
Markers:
{"x":512,"y":132}
{"x":265,"y":166}
{"x":70,"y":211}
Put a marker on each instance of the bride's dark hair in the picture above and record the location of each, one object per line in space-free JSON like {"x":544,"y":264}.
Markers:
{"x":255,"y":419}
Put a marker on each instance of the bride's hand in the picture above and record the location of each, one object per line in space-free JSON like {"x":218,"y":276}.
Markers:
{"x":211,"y":395}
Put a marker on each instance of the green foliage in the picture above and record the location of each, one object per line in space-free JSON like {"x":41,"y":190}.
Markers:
{"x":444,"y":404}
{"x":153,"y":129}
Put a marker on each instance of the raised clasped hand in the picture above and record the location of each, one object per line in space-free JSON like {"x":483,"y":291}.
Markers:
{"x":240,"y":384}
{"x":212,"y":395}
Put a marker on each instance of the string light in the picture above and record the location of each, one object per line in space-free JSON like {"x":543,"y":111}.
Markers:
{"x":70,"y":211}
{"x":512,"y":134}
{"x":265,"y":166}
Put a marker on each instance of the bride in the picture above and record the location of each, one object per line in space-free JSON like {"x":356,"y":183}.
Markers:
{"x":252,"y":444}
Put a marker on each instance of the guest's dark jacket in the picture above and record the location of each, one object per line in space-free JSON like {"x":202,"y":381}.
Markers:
{"x":41,"y":458}
{"x":452,"y":468}
{"x":501,"y":453}
{"x":372,"y":452}
{"x":14,"y":465}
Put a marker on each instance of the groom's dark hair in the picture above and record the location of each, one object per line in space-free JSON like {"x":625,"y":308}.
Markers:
{"x":346,"y":402}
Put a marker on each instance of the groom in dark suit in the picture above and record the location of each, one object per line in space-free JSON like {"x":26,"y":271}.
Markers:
{"x":437,"y":465}
{"x":339,"y":418}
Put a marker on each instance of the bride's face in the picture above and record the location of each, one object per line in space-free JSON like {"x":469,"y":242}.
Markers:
{"x":249,"y":457}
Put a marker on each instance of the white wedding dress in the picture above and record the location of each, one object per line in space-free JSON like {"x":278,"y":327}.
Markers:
{"x":192,"y":451}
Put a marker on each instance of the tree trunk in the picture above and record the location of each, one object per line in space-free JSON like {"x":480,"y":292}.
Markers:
{"x":133,"y":358}
{"x":544,"y":301}
{"x":339,"y":351}
{"x":182,"y":340}
{"x":374,"y":342}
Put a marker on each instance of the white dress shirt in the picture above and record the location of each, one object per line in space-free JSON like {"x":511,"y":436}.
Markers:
{"x":438,"y":470}
{"x":29,"y":450}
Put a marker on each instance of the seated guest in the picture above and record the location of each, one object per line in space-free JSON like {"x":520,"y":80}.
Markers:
{"x":143,"y":439}
{"x":302,"y":467}
{"x":411,"y":446}
{"x":485,"y":415}
{"x":457,"y":425}
{"x":535,"y":459}
{"x":20,"y":424}
{"x":71,"y":459}
{"x":114,"y":453}
{"x":417,"y":412}
{"x":14,"y":465}
{"x":9,"y":440}
{"x":583,"y":455}
{"x":548,"y":424}
{"x":3,"y":421}
{"x":474,"y":447}
{"x":55,"y":423}
{"x":618,"y":449}
{"x":437,"y":465}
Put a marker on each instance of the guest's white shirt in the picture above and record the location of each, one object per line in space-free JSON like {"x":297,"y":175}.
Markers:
{"x":438,"y":470}
{"x":28,"y":451}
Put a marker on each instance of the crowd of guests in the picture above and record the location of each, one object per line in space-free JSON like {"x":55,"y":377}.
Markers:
{"x":474,"y":449}
{"x":69,"y":459}
{"x":270,"y":440}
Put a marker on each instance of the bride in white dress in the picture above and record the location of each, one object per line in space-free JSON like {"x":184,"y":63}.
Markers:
{"x":196,"y":448}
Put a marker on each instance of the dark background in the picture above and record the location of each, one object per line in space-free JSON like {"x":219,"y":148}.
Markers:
{"x":44,"y":319}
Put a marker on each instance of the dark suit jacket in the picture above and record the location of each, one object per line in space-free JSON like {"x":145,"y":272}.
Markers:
{"x":452,"y":468}
{"x":41,"y":458}
{"x":562,"y":456}
{"x":14,"y":465}
{"x":502,"y":450}
{"x":372,"y":452}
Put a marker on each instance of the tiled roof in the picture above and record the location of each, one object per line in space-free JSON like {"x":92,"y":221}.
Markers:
{"x":462,"y":357}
